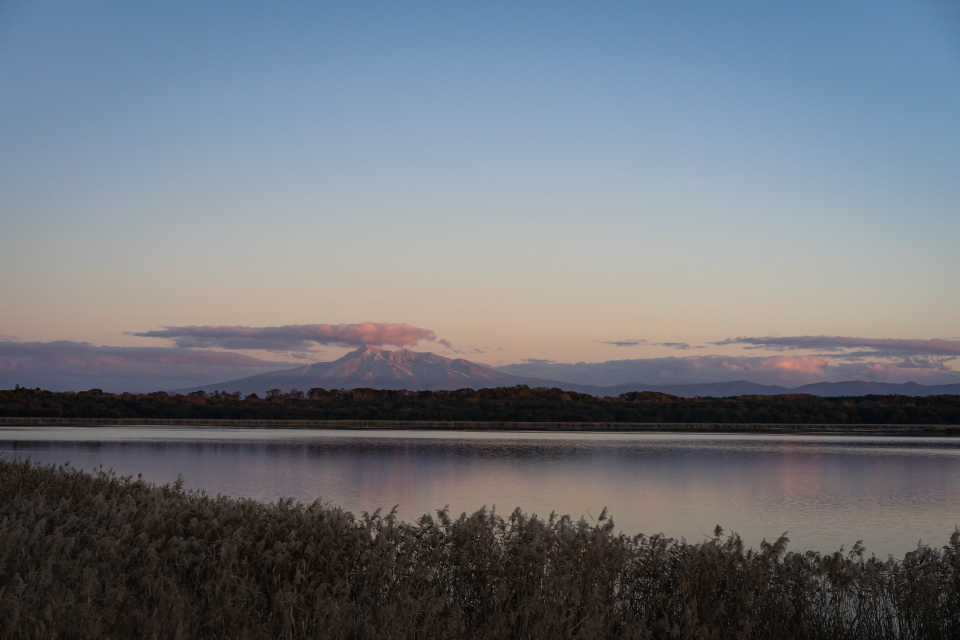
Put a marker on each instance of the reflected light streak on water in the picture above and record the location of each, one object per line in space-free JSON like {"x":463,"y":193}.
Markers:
{"x":827,"y":491}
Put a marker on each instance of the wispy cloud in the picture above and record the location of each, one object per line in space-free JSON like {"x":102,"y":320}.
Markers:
{"x":449,"y":349}
{"x":842,"y":346}
{"x":677,"y":345}
{"x":67,"y":365}
{"x":296,"y":337}
{"x":637,"y":342}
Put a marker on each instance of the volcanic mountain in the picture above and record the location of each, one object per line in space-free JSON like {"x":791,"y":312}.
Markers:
{"x":417,"y":371}
{"x":378,"y":369}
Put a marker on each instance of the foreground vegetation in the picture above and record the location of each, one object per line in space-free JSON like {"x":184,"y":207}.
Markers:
{"x":92,"y":555}
{"x":516,"y":404}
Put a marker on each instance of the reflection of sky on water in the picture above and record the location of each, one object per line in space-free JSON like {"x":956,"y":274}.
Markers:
{"x":826,"y":491}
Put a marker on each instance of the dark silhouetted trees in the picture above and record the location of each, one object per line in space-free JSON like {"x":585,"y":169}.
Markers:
{"x":514,"y":404}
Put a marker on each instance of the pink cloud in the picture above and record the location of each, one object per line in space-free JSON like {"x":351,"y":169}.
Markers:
{"x":790,"y":363}
{"x":296,"y":337}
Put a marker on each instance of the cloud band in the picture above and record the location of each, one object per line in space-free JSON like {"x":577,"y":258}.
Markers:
{"x":295,"y":337}
{"x":843,"y":344}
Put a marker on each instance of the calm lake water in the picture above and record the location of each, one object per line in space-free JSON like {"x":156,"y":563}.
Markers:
{"x":826,"y":491}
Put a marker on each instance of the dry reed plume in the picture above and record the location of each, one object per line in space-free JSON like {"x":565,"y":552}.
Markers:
{"x":96,"y":556}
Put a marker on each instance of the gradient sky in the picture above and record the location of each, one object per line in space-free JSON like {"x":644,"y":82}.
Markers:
{"x":527,"y":182}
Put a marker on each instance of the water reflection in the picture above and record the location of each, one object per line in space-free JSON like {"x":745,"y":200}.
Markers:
{"x":827,"y":491}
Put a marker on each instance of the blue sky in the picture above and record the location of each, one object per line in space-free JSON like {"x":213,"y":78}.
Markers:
{"x":527,"y":182}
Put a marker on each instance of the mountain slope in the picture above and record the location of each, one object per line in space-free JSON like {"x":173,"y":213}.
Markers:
{"x":380,"y":369}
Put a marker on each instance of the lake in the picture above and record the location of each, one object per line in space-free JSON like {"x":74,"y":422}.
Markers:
{"x":825,"y":490}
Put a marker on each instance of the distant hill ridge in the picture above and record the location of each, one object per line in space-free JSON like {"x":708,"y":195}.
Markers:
{"x":824,"y":389}
{"x":377,"y":368}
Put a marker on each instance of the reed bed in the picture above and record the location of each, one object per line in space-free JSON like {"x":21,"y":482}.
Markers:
{"x":93,"y":555}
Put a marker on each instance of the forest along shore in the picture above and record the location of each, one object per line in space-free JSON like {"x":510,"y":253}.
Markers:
{"x":501,"y":408}
{"x":598,"y":427}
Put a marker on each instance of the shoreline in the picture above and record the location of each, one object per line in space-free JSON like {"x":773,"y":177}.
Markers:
{"x":457,"y":425}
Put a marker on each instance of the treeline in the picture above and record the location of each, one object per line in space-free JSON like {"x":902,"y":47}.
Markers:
{"x":96,"y":556}
{"x":513,"y":404}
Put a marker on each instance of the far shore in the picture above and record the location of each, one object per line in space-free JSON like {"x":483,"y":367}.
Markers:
{"x":415,"y":425}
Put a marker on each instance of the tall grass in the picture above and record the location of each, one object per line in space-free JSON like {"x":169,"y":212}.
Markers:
{"x":97,"y":556}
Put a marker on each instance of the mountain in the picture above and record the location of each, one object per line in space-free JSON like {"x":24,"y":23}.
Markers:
{"x":379,"y":369}
{"x":417,"y":371}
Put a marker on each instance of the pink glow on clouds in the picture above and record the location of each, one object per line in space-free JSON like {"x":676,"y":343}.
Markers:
{"x":803,"y":365}
{"x":769,"y":363}
{"x":296,"y":337}
{"x":821,"y":368}
{"x":183,"y":364}
{"x":778,"y":369}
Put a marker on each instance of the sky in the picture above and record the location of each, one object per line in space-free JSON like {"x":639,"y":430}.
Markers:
{"x":703,"y":190}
